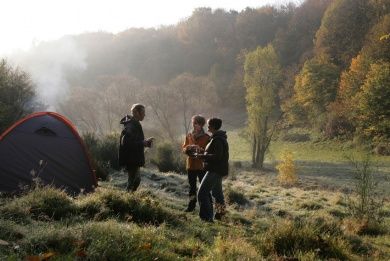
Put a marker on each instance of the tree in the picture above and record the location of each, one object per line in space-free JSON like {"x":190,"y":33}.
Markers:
{"x":161,"y":100}
{"x":17,"y":95}
{"x":342,"y":31}
{"x":262,"y":81}
{"x":193,"y":95}
{"x":374,"y":106}
{"x":315,"y":88}
{"x":296,"y":41}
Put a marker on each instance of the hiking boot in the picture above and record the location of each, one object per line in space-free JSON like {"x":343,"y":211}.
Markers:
{"x":220,"y":211}
{"x":191,"y":206}
{"x":218,"y":216}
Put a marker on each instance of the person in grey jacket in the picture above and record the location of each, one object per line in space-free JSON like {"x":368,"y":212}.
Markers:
{"x":216,"y":163}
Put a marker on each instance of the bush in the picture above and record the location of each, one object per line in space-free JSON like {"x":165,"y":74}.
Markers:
{"x":104,"y":153}
{"x":367,"y":204}
{"x":17,"y":95}
{"x":167,"y":158}
{"x":235,"y":197}
{"x":287,"y":169}
{"x":337,"y":126}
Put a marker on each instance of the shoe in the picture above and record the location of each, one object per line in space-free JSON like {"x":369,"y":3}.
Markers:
{"x":218,"y":216}
{"x":191,"y":206}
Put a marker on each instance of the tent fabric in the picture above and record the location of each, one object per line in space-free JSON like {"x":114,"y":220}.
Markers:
{"x":45,"y":145}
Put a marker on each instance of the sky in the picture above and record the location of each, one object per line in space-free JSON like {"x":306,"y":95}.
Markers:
{"x":25,"y":23}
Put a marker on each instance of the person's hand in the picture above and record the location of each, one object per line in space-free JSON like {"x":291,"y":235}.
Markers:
{"x":148,"y":142}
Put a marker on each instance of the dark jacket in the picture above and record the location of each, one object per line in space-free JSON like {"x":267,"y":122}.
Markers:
{"x":216,"y":158}
{"x":131,"y":146}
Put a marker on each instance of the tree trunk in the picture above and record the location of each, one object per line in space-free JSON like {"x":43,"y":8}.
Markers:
{"x":254,"y":151}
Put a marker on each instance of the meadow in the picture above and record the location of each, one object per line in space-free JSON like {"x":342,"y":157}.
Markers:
{"x":266,"y":220}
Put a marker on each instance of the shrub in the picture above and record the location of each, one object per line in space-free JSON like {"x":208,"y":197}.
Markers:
{"x":235,"y":197}
{"x":287,"y":169}
{"x":104,"y":152}
{"x":167,"y":158}
{"x":367,"y":205}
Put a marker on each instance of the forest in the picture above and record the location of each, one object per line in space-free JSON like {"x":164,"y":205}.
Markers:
{"x":301,"y":89}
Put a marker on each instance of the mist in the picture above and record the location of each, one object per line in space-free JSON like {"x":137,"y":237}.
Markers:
{"x":48,"y":64}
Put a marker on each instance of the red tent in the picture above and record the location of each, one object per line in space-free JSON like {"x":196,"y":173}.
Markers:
{"x":45,"y":145}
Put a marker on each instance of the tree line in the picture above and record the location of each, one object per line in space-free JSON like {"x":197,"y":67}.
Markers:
{"x":323,"y":64}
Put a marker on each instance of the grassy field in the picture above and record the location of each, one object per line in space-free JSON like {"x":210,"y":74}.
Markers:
{"x":309,"y":220}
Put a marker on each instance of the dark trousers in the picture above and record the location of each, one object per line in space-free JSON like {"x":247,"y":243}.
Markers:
{"x":134,"y":178}
{"x":193,"y":175}
{"x":212,"y":182}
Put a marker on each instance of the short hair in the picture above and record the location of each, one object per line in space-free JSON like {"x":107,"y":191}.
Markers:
{"x":137,"y":107}
{"x":215,"y":123}
{"x":199,"y":119}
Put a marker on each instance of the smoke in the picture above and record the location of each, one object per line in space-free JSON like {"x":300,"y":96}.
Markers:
{"x":49,"y":64}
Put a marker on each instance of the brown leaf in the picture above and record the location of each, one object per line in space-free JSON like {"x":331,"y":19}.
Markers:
{"x":146,"y":246}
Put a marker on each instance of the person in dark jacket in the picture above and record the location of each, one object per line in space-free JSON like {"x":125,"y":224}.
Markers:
{"x":216,"y":163}
{"x":132,"y":144}
{"x":195,"y":141}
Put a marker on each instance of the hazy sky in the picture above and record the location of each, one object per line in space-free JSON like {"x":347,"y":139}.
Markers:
{"x":25,"y":22}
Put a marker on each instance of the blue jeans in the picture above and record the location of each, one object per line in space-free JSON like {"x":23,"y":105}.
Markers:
{"x":212,"y":182}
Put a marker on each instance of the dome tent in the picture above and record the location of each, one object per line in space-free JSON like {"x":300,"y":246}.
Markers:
{"x":45,"y":145}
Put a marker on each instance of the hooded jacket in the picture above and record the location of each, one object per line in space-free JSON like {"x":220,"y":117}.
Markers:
{"x":131,"y":144}
{"x":216,"y":156}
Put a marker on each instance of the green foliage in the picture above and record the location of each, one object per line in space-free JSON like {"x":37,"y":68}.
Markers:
{"x":234,"y":196}
{"x":262,"y":81}
{"x":16,"y":95}
{"x":368,"y":205}
{"x":335,"y":38}
{"x":315,"y":88}
{"x":374,"y":106}
{"x":104,"y":152}
{"x":168,"y":158}
{"x":294,"y":43}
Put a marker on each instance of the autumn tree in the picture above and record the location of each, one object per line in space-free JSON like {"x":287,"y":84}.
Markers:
{"x":315,"y":88}
{"x":342,"y":31}
{"x":374,"y":106}
{"x":262,"y":80}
